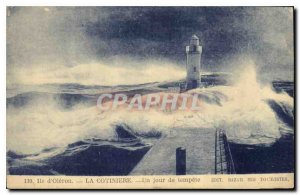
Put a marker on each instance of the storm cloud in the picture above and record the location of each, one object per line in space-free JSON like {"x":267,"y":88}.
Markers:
{"x":70,"y":36}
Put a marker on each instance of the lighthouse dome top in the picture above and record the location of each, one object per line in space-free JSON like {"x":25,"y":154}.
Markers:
{"x":194,"y":40}
{"x":194,"y":37}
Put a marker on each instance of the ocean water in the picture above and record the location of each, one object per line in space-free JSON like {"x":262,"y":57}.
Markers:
{"x":278,"y":157}
{"x":58,"y":130}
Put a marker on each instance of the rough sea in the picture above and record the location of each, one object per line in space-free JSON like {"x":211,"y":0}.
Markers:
{"x":56,"y":129}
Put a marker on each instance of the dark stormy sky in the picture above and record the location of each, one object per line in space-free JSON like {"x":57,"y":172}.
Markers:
{"x":69,"y":36}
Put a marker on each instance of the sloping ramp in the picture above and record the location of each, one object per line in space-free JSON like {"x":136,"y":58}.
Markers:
{"x":200,"y":153}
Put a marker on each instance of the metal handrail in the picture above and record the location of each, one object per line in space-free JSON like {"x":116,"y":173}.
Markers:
{"x":221,"y":144}
{"x":229,"y":155}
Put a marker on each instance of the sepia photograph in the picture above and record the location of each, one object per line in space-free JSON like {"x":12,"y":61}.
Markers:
{"x":150,"y":97}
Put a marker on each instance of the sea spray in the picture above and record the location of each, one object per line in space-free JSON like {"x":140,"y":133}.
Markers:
{"x":99,"y":73}
{"x":241,"y":109}
{"x":245,"y":114}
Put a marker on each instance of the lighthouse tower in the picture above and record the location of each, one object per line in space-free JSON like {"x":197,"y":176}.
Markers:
{"x":193,"y":65}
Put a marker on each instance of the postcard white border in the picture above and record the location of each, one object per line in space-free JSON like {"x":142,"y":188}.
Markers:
{"x":5,"y":3}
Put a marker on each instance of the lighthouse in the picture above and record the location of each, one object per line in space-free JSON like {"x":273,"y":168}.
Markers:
{"x":193,"y":64}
